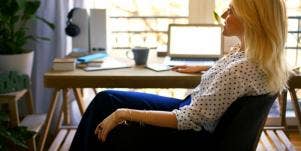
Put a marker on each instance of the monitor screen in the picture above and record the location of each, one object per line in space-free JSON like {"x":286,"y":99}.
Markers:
{"x":195,"y":40}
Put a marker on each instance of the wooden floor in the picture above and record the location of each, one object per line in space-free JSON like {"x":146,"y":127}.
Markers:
{"x":271,"y":140}
{"x":295,"y":138}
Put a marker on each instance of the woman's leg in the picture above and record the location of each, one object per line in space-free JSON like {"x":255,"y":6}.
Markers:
{"x":107,"y":102}
{"x":142,"y":137}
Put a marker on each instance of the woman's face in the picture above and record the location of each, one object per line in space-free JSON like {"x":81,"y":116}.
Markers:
{"x":233,"y":26}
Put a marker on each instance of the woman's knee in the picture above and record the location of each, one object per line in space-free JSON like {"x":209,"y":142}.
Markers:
{"x":102,"y":97}
{"x":104,"y":93}
{"x":110,"y":94}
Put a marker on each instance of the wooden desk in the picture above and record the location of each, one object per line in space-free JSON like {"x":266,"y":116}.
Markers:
{"x":135,"y":77}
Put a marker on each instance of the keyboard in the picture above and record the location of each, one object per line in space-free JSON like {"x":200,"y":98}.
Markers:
{"x":189,"y":61}
{"x":193,"y":59}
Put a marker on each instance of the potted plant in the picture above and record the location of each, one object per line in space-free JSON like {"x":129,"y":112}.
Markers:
{"x":13,"y":138}
{"x":14,"y":34}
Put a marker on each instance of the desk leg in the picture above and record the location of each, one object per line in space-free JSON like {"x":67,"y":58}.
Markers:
{"x":296,"y":106}
{"x":82,"y":92}
{"x":48,"y":119}
{"x":79,"y":99}
{"x":60,"y":121}
{"x":64,"y":111}
{"x":95,"y":92}
{"x":66,"y":107}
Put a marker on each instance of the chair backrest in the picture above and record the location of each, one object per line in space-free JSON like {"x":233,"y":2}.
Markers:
{"x":240,"y":126}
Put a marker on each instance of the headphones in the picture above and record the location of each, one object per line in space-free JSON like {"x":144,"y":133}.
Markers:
{"x":71,"y":29}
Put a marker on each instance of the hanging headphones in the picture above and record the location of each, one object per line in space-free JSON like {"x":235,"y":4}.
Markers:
{"x":71,"y":28}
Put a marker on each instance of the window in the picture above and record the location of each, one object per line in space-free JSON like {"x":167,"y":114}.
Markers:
{"x":293,"y":47}
{"x":221,"y":5}
{"x":292,"y":4}
{"x":142,"y":22}
{"x":294,"y":30}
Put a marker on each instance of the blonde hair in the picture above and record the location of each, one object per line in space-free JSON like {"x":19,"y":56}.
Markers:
{"x":265,"y":32}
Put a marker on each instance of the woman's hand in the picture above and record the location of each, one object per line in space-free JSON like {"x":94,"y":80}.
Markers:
{"x":189,"y":69}
{"x":103,"y":128}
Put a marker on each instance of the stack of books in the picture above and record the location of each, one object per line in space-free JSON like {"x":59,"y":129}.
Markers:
{"x":63,"y":64}
{"x":91,"y":60}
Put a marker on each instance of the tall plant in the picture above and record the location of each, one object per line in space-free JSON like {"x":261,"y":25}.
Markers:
{"x":14,"y":18}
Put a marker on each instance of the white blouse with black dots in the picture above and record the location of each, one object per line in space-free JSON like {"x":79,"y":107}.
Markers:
{"x":230,"y":78}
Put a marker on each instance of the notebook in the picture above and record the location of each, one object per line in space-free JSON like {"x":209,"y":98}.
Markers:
{"x":194,"y":44}
{"x":108,"y":64}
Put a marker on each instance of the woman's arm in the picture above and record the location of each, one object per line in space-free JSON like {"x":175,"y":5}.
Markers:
{"x":190,"y":69}
{"x":156,"y":118}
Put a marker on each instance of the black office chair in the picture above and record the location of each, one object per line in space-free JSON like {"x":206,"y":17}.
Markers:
{"x":239,"y":129}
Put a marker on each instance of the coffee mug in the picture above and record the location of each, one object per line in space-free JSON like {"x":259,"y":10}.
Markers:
{"x":140,"y":55}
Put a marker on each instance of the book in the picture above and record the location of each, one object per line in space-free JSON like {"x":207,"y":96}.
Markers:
{"x":93,"y":63}
{"x":63,"y":64}
{"x":63,"y":60}
{"x":91,"y":57}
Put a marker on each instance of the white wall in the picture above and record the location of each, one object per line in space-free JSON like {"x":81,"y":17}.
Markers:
{"x":201,"y":12}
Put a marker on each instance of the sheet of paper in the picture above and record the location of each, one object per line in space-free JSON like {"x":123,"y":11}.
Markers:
{"x":158,"y":67}
{"x":109,"y":63}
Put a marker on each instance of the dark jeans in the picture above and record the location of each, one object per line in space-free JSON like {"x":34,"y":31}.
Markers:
{"x":133,"y":136}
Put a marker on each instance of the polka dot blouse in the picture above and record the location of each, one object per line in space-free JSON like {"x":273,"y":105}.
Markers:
{"x":230,"y":78}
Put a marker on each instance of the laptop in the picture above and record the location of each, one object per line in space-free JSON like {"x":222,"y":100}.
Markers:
{"x":194,"y":44}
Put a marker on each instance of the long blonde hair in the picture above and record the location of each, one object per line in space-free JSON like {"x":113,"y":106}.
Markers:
{"x":265,"y":33}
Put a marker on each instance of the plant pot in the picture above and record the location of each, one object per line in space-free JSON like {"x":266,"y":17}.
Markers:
{"x":21,"y":63}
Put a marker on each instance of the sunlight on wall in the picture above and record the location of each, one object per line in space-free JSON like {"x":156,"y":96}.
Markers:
{"x":141,"y":22}
{"x":143,"y":7}
{"x":293,"y":3}
{"x":221,"y":6}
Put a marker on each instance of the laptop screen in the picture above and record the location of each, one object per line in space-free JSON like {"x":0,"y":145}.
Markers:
{"x":195,"y":40}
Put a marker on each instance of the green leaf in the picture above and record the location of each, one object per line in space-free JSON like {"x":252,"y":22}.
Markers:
{"x":217,"y":17}
{"x":14,"y":19}
{"x":22,"y":133}
{"x":3,"y":116}
{"x":51,"y":25}
{"x":21,"y":3}
{"x":9,"y":8}
{"x":31,"y":7}
{"x":14,"y":16}
{"x":5,"y":134}
{"x":43,"y":38}
{"x":31,"y":37}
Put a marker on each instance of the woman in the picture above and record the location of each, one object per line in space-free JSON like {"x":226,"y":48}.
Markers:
{"x":255,"y":67}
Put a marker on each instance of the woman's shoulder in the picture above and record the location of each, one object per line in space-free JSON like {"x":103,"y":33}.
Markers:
{"x":243,"y":66}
